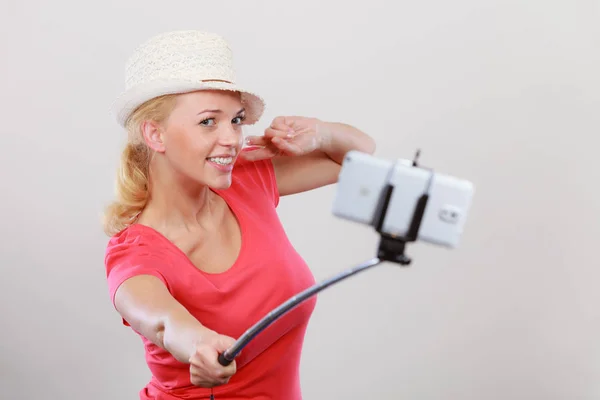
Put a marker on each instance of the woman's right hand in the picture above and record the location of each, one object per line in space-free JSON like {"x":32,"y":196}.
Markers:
{"x":205,"y":370}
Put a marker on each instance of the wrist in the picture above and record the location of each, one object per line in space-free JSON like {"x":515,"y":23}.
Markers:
{"x":182,"y":336}
{"x":325,"y":134}
{"x":336,"y":139}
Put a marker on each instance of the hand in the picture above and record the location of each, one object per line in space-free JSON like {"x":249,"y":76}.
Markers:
{"x":287,"y":136}
{"x":205,"y":370}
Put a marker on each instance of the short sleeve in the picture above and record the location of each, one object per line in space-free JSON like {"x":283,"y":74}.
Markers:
{"x":128,"y":255}
{"x":262,"y":173}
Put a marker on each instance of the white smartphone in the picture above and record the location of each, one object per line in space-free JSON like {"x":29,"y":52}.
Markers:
{"x":361,"y":184}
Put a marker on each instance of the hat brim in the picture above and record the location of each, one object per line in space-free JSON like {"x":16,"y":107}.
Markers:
{"x":131,"y":99}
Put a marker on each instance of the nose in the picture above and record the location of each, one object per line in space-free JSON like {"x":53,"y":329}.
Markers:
{"x":231,"y":135}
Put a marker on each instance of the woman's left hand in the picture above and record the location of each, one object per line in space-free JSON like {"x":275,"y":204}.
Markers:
{"x":287,"y":136}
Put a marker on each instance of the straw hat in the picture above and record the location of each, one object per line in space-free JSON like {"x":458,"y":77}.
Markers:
{"x":180,"y":62}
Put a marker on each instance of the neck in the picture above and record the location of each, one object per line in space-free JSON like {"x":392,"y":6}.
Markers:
{"x":176,"y":202}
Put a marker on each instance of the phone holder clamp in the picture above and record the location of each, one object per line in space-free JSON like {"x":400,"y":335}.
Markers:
{"x":392,"y":247}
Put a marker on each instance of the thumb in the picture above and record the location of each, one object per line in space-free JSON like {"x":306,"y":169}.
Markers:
{"x":224,"y":343}
{"x":281,"y":123}
{"x":260,"y":153}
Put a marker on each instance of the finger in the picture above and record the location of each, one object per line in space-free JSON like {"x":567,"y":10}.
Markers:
{"x":226,"y":372}
{"x":280,"y":123}
{"x":287,"y":123}
{"x":286,"y":146}
{"x":200,"y":381}
{"x":257,"y":141}
{"x":209,"y":370}
{"x":260,"y":153}
{"x":219,"y":371}
{"x":197,"y":369}
{"x":200,"y":356}
{"x":223,"y":343}
{"x":284,"y":132}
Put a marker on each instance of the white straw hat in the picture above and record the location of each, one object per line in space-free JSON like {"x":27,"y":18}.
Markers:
{"x":180,"y":62}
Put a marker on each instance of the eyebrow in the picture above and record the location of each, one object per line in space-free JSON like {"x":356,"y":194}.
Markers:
{"x":219,"y":111}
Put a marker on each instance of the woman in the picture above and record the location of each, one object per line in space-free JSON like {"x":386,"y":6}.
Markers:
{"x":197,"y":253}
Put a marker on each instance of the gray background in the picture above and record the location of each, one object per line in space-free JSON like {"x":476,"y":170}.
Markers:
{"x":505,"y":93}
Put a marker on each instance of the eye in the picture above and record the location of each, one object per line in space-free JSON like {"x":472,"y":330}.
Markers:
{"x":207,"y":122}
{"x":239,"y":119}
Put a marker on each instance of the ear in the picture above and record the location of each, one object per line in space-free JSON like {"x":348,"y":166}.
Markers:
{"x":153,"y":136}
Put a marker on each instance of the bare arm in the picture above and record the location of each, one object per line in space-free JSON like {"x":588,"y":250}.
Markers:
{"x":340,"y":138}
{"x":146,"y":304}
{"x":322,"y":166}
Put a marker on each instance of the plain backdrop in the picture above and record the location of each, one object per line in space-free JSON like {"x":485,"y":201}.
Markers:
{"x":504,"y":93}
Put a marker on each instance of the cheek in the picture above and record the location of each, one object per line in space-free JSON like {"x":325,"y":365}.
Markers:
{"x":242,"y":138}
{"x":202,"y":143}
{"x":190,"y":144}
{"x":183,"y":151}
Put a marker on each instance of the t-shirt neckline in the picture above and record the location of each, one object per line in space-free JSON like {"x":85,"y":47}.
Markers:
{"x":243,"y":233}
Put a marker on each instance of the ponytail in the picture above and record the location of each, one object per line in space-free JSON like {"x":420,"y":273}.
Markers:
{"x":133,"y":178}
{"x":131,"y":189}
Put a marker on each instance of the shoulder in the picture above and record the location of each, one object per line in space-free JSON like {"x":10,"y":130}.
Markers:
{"x":131,"y":252}
{"x":256,"y":175}
{"x":131,"y":243}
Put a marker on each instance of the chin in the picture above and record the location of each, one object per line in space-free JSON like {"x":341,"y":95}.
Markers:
{"x":220,"y":183}
{"x":218,"y":176}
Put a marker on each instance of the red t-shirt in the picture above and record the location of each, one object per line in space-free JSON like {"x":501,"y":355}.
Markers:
{"x":267,"y":272}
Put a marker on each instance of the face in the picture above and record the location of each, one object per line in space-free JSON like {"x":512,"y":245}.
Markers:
{"x":202,"y":137}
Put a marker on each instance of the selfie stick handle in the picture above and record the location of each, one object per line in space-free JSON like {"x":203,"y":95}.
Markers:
{"x":391,"y":249}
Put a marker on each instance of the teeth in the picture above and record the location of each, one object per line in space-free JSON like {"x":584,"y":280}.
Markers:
{"x":221,"y":160}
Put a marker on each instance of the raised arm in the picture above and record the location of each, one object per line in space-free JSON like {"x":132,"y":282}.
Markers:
{"x":307,"y":153}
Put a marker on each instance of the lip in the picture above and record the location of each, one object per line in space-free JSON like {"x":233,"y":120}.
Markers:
{"x":220,"y":167}
{"x":223,"y":168}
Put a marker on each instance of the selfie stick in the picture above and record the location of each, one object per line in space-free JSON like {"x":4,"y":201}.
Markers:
{"x":391,"y":249}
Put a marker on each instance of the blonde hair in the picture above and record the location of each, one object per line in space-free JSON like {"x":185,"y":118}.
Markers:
{"x":133,"y":180}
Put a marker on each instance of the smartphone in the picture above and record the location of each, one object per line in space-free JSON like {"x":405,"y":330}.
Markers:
{"x":363,"y":179}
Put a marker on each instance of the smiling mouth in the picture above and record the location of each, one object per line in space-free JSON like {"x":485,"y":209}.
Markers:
{"x":221,"y":160}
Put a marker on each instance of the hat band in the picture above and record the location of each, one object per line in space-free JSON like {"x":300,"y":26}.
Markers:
{"x":217,"y":80}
